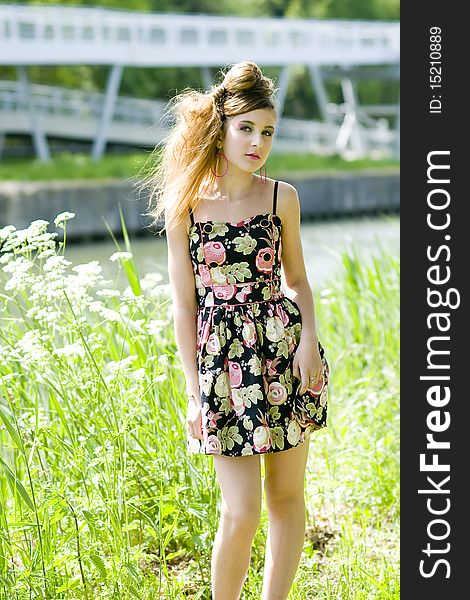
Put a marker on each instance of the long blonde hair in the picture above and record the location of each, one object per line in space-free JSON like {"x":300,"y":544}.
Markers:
{"x":182,"y":166}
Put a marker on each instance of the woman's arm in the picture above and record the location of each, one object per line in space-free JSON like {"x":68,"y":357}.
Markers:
{"x":307,"y":362}
{"x":183,"y":292}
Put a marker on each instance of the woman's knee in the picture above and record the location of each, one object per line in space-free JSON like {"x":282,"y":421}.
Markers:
{"x":285,"y":496}
{"x":285,"y":499}
{"x":241,"y":519}
{"x":240,"y":484}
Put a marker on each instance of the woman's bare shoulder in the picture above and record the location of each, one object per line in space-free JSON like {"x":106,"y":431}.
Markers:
{"x":288,"y":202}
{"x":177,"y":235}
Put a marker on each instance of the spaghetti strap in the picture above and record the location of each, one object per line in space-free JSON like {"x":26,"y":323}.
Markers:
{"x":275,"y":196}
{"x":190,"y":210}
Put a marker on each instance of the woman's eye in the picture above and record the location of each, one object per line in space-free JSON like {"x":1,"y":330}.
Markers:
{"x":248,"y":128}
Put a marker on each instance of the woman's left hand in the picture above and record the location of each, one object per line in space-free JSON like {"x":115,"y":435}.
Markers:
{"x":307,"y":364}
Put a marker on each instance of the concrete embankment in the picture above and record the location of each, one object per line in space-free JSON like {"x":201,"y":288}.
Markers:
{"x":322,"y":196}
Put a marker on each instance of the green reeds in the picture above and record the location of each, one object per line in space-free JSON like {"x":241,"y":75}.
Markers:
{"x":98,"y":495}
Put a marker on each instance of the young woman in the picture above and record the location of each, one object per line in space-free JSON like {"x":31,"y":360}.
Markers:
{"x":256,"y":373}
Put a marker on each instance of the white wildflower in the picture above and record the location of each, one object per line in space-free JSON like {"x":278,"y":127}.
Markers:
{"x":46,"y":253}
{"x":38,"y":226}
{"x":56,"y":263}
{"x":120,"y":256}
{"x":6,"y":231}
{"x":107,"y":313}
{"x":16,"y":239}
{"x":45,"y":237}
{"x":155,"y":326}
{"x":113,"y":366}
{"x":45,"y":314}
{"x":129,"y":297}
{"x":19,"y":264}
{"x":5,"y":257}
{"x":137,"y":325}
{"x":108,"y":293}
{"x":9,"y":377}
{"x":149,"y":282}
{"x":50,"y":290}
{"x":18,"y":280}
{"x":162,"y":290}
{"x":25,"y":240}
{"x":163,"y":360}
{"x":71,"y":350}
{"x":123,"y":311}
{"x":94,"y":341}
{"x":138,"y":375}
{"x":62,"y":218}
{"x":88,"y":274}
{"x":5,"y":354}
{"x":151,"y":279}
{"x":31,"y":347}
{"x":86,"y":269}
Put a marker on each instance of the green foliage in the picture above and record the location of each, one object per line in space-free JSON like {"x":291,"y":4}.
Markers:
{"x":98,"y":496}
{"x":379,"y":10}
{"x":330,"y":9}
{"x":67,"y":166}
{"x":366,"y":382}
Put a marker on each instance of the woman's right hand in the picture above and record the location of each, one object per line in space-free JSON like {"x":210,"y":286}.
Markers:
{"x":194,"y":417}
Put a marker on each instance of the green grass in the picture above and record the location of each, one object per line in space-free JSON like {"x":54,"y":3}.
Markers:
{"x":80,"y":166}
{"x":98,"y":496}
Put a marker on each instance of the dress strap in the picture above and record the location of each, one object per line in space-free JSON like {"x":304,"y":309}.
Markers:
{"x":191,"y":216}
{"x":276,"y":183}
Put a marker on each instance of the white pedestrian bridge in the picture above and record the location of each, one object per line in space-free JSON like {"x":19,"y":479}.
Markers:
{"x":52,"y":35}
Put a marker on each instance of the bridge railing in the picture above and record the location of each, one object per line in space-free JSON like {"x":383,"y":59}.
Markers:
{"x":298,"y":135}
{"x":69,"y":101}
{"x":34,"y":34}
{"x":293,"y":135}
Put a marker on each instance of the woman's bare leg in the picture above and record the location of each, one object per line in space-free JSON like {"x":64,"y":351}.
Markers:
{"x":240,"y":483}
{"x":285,"y":499}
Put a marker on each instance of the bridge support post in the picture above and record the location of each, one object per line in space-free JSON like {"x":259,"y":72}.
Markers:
{"x":320,"y":93}
{"x":207,"y":78}
{"x":350,"y":99}
{"x":282,"y":91}
{"x":112,"y":86}
{"x":41,"y":146}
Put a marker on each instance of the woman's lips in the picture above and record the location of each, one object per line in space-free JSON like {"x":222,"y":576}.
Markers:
{"x":253,"y":156}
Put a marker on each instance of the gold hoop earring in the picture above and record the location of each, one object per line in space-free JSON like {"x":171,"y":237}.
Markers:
{"x":217,"y":164}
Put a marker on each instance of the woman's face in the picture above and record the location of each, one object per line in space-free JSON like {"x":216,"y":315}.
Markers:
{"x":248,"y":139}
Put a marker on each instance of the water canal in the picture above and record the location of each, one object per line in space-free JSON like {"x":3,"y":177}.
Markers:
{"x":323,"y":242}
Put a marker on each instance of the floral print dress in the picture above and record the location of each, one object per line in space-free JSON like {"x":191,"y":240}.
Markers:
{"x":247,"y":334}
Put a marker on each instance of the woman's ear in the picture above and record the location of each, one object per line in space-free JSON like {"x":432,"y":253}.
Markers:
{"x":220,"y":139}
